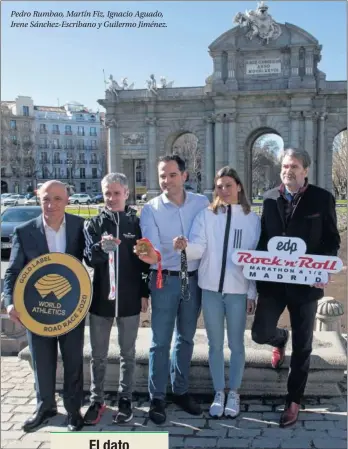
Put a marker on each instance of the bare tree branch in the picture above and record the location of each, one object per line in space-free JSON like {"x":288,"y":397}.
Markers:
{"x":340,"y":164}
{"x":186,"y":146}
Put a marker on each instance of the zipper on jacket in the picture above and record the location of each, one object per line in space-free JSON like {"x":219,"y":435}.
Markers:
{"x":117,"y":259}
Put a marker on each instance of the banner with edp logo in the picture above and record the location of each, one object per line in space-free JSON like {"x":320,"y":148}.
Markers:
{"x":286,"y":261}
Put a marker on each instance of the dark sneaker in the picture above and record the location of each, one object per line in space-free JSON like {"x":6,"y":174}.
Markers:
{"x":124,"y":412}
{"x":187,"y":403}
{"x":157,"y":412}
{"x":94,"y":413}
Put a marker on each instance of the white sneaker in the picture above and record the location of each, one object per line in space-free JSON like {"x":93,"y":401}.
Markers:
{"x":232,"y":408}
{"x":217,"y":407}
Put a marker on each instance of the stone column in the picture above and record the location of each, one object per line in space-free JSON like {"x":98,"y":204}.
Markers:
{"x":309,"y":144}
{"x":217,"y":58}
{"x":294,"y":66}
{"x":294,"y":61}
{"x":152,"y":179}
{"x":219,"y":142}
{"x":295,"y":129}
{"x":321,"y":163}
{"x":309,"y":62}
{"x":209,"y":166}
{"x":232,"y":140}
{"x":231,"y":81}
{"x":114,"y":147}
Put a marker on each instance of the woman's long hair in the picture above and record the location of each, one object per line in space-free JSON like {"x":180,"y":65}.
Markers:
{"x":242,"y":198}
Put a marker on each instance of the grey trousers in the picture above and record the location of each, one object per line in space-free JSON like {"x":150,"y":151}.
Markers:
{"x":100,"y":329}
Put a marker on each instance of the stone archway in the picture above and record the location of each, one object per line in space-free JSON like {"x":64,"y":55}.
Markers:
{"x":256,"y":86}
{"x":186,"y":144}
{"x":248,"y":166}
{"x":4,"y":187}
{"x":339,"y":165}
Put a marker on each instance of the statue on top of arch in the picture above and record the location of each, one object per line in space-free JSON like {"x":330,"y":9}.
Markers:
{"x":165,"y":84}
{"x":259,"y":23}
{"x":152,"y":85}
{"x":114,"y":87}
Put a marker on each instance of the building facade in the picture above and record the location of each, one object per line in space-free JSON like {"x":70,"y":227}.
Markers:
{"x":18,"y":150}
{"x":265,"y":79}
{"x":70,"y":142}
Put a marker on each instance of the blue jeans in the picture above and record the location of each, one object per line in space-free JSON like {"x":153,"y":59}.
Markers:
{"x":216,"y":306}
{"x":169,"y":312}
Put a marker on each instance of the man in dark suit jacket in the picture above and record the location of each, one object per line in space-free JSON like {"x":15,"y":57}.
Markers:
{"x":53,"y":231}
{"x":295,"y":209}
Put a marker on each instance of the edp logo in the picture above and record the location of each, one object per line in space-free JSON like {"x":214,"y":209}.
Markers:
{"x":289,"y":248}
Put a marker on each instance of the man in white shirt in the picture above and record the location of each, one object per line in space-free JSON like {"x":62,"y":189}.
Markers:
{"x":177,"y":304}
{"x":53,"y":231}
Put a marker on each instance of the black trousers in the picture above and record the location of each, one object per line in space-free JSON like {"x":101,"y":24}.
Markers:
{"x":302,"y":317}
{"x":44,"y":351}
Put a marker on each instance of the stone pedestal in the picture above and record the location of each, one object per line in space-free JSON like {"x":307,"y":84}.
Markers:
{"x":328,"y":363}
{"x":328,"y":317}
{"x":13,"y":335}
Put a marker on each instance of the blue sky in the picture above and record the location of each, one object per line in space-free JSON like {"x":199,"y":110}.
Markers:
{"x":67,"y":63}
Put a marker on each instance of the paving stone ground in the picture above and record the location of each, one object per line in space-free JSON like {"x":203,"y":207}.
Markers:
{"x":322,"y":424}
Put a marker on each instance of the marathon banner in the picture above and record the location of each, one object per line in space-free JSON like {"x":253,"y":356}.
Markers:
{"x":53,"y":294}
{"x":287,"y":262}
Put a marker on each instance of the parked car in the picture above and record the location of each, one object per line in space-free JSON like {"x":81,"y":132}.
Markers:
{"x":14,"y":200}
{"x":12,"y":217}
{"x":97,"y":199}
{"x":80,"y":198}
{"x":33,"y":201}
{"x":4,"y":196}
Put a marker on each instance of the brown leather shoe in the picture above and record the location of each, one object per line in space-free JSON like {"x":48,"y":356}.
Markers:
{"x":289,"y":415}
{"x":278,"y":354}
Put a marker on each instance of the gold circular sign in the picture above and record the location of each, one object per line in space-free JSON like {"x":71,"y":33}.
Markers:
{"x":53,"y":294}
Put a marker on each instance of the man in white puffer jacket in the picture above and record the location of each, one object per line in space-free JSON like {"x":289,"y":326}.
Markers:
{"x":225,"y":226}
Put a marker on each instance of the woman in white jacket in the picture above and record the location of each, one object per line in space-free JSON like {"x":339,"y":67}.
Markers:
{"x":225,"y":226}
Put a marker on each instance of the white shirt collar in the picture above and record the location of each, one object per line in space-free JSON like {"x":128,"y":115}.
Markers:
{"x":47,"y":226}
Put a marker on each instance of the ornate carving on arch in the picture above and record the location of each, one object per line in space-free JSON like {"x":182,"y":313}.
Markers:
{"x":218,"y":118}
{"x":231,"y":117}
{"x":133,"y":138}
{"x":295,"y":115}
{"x":111,"y":122}
{"x":310,"y":115}
{"x":263,"y":120}
{"x":209,"y":118}
{"x":151,"y":121}
{"x":181,"y":123}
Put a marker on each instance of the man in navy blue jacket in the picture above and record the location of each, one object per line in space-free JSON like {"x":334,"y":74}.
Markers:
{"x":52,"y":231}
